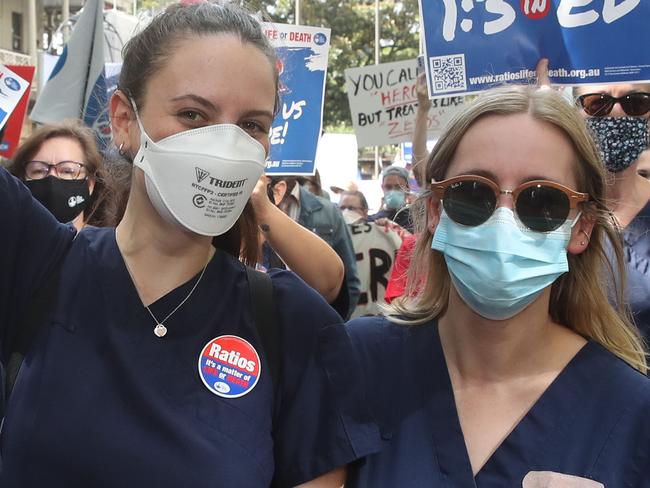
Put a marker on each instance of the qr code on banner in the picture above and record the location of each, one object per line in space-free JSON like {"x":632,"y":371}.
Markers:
{"x":448,"y":73}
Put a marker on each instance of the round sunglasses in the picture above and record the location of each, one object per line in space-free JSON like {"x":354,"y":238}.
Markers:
{"x":540,"y":205}
{"x":601,"y":104}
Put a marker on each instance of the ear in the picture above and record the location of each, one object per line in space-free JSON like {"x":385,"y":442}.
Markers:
{"x":279,"y":190}
{"x":433,"y":213}
{"x":122,"y":120}
{"x":580,"y":235}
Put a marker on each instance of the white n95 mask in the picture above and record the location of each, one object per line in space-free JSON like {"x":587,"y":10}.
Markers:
{"x":201,"y":179}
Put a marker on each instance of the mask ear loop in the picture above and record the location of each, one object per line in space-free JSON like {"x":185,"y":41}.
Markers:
{"x":576,"y":218}
{"x":137,"y":118}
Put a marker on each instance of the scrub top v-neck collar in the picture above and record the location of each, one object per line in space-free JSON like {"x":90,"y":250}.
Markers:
{"x":544,"y":420}
{"x":121,"y":295}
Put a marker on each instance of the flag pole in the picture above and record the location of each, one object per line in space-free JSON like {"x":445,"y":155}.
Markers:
{"x":377,"y":163}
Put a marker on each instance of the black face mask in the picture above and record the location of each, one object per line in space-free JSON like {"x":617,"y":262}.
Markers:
{"x":621,"y":140}
{"x":65,"y":199}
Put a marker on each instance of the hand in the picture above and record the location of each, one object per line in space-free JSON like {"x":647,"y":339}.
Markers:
{"x":388,"y":226}
{"x":423,"y":96}
{"x":259,"y":198}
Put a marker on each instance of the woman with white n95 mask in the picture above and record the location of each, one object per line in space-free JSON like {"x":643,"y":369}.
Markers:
{"x":151,"y":363}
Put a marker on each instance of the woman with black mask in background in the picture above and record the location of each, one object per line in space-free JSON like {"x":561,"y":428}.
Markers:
{"x":63,"y":169}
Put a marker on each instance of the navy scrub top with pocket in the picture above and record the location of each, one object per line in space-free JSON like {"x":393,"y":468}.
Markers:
{"x":588,"y":429}
{"x":100,"y":401}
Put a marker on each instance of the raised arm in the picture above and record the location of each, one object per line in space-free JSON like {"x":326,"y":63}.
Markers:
{"x":302,"y":251}
{"x":420,"y":152}
{"x":32,"y":243}
{"x":541,"y":71}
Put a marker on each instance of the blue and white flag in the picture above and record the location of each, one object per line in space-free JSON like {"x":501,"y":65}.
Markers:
{"x":302,"y":53}
{"x":77,"y":85}
{"x":471,"y":45}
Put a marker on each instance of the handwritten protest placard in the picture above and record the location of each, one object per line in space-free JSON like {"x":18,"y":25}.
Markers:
{"x":302,"y":52}
{"x":383,"y":102}
{"x":471,"y":45}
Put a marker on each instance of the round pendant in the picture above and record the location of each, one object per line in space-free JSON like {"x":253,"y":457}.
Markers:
{"x":160,"y":330}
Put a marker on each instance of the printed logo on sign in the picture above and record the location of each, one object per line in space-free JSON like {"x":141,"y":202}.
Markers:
{"x":535,"y":9}
{"x":229,"y":366}
{"x":320,"y":38}
{"x":201,"y":174}
{"x":12,"y":83}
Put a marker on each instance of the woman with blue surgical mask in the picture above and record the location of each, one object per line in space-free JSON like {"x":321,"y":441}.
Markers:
{"x":618,"y":116}
{"x":151,"y":362}
{"x":505,"y":364}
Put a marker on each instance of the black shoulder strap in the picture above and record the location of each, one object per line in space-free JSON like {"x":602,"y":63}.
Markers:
{"x":266,"y":321}
{"x":36,"y":313}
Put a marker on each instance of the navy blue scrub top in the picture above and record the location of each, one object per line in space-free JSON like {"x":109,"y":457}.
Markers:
{"x":592,"y":421}
{"x":101,"y":401}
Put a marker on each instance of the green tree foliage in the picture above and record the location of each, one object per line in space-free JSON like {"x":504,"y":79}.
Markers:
{"x":353,"y":39}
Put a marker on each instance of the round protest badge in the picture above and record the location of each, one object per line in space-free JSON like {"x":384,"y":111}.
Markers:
{"x":229,"y":366}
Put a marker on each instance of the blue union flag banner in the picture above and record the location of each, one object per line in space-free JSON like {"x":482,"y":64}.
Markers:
{"x":471,"y":45}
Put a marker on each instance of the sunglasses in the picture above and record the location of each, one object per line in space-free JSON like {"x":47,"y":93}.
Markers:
{"x":601,"y":104}
{"x":540,"y":205}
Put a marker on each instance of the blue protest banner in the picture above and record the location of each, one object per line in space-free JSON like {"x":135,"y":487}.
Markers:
{"x":471,"y":45}
{"x":294,"y":135}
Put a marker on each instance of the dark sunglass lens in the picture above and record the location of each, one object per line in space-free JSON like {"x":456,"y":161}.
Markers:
{"x":542,"y":208}
{"x":636,"y":104}
{"x":597,"y":105}
{"x":469,"y":202}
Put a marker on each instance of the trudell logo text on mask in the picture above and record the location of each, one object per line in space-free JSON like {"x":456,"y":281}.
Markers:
{"x":202,"y":174}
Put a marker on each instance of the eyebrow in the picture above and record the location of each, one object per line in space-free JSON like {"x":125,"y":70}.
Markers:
{"x":479,"y":172}
{"x":260,"y":113}
{"x":200,"y":100}
{"x":490,"y":175}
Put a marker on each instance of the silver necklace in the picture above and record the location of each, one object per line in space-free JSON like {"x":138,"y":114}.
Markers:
{"x":160,"y":330}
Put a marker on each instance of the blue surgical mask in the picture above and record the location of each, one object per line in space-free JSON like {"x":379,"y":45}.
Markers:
{"x":394,"y":199}
{"x":499,"y":267}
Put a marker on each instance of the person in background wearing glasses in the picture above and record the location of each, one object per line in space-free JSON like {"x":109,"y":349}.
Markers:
{"x":63,"y":169}
{"x":509,"y":367}
{"x":618,"y":116}
{"x":396,"y":199}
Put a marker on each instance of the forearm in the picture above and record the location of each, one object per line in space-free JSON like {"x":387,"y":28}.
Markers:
{"x":303,"y":252}
{"x":420,"y":152}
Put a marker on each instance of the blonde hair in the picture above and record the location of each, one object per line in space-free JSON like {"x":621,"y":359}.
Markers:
{"x":579,"y":298}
